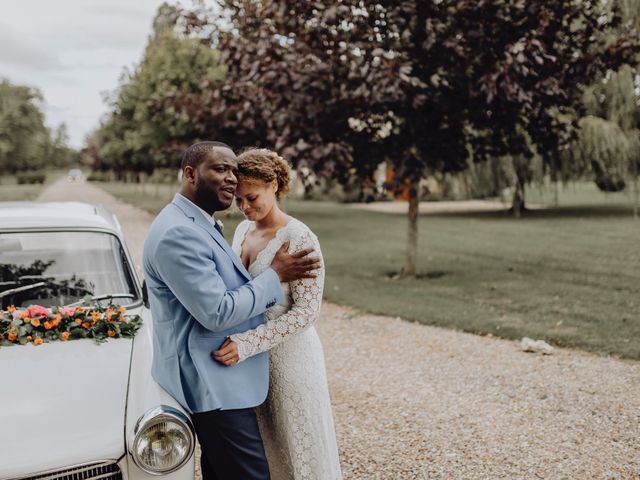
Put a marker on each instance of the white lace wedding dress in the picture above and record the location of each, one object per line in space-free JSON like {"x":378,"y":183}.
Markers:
{"x":296,"y":422}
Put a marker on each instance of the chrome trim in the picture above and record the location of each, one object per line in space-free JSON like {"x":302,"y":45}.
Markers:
{"x":154,"y":416}
{"x":75,"y":471}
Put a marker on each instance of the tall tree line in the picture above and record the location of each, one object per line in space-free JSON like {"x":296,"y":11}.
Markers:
{"x":26,"y":143}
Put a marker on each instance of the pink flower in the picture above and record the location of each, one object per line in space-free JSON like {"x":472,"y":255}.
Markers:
{"x":69,"y":311}
{"x":37,"y":311}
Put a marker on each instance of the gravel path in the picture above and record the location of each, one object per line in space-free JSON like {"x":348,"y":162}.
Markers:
{"x":419,"y":402}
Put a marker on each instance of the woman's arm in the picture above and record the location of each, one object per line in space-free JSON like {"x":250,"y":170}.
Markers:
{"x":307,"y":299}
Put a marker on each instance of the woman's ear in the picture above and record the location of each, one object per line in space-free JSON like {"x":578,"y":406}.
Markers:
{"x":274,"y":185}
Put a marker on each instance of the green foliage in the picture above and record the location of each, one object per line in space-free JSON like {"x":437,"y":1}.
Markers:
{"x":23,"y":135}
{"x":25,"y":142}
{"x":40,"y":325}
{"x":147,"y":127}
{"x":30,"y":178}
{"x":607,"y":149}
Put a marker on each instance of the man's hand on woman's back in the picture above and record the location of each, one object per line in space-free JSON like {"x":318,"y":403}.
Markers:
{"x":295,"y":266}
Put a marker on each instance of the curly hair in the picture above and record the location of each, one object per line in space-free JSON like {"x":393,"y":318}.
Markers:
{"x":265,"y":165}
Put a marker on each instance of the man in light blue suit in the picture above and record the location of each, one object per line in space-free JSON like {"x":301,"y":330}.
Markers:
{"x":200,"y":293}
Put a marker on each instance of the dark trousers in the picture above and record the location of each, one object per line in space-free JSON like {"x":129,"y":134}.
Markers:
{"x":231,"y":445}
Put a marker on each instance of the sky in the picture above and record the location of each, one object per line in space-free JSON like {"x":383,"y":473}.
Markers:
{"x":74,"y":51}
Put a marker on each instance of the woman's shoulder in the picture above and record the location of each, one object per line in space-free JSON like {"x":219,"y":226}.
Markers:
{"x":241,"y":229}
{"x":243,"y":225}
{"x":297,"y":230}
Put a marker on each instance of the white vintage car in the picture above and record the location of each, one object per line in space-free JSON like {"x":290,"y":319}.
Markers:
{"x":78,"y":409}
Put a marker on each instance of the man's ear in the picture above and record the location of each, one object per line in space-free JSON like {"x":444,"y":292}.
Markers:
{"x":189,"y":173}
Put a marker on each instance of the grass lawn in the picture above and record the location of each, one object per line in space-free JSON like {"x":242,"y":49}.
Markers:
{"x":569,"y":275}
{"x":10,"y":191}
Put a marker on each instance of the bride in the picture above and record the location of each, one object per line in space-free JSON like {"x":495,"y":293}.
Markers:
{"x":295,"y":421}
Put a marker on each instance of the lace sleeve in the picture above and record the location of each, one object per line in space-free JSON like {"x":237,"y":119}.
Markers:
{"x":306,"y":295}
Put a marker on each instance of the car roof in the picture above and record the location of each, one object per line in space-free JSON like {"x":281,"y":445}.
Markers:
{"x":54,"y":215}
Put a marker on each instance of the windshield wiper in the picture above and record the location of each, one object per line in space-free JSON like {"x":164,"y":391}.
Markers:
{"x":24,"y":288}
{"x":106,"y":296}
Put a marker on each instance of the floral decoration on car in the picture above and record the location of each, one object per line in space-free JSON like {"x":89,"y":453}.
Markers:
{"x":38,"y":325}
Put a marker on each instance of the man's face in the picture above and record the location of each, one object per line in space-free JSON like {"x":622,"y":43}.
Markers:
{"x":215,"y":180}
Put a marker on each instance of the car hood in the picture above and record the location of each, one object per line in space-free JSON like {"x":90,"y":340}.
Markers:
{"x":61,"y":404}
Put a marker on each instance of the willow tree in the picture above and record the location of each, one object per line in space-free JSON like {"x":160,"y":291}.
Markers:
{"x":612,"y":134}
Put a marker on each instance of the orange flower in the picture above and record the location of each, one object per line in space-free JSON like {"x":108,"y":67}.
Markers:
{"x":122,"y":310}
{"x":29,"y":338}
{"x":12,"y":337}
{"x":78,"y":321}
{"x":48,"y":325}
{"x":35,"y":322}
{"x":38,"y":341}
{"x":86,"y":324}
{"x":111,"y":333}
{"x":95,"y":316}
{"x":11,"y":309}
{"x":65,"y":336}
{"x":24,"y":314}
{"x":80,"y":310}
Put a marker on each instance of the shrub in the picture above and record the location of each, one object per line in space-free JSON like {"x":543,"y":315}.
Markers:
{"x":30,"y":178}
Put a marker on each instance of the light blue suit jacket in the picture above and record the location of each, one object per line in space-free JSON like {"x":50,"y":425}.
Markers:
{"x":200,"y":293}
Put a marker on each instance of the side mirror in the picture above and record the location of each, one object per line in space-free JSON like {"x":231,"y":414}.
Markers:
{"x":145,"y":294}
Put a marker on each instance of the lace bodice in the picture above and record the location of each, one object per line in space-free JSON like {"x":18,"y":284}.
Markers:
{"x":303,"y":298}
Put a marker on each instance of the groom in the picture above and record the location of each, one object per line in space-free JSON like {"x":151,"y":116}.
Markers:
{"x":200,"y":293}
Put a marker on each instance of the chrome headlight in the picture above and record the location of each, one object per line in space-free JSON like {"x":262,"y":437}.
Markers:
{"x":163,"y":440}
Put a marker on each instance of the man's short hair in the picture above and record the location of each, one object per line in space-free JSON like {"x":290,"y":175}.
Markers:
{"x":194,"y":155}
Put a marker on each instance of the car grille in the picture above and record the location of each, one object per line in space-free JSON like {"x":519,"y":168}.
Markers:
{"x":93,"y":471}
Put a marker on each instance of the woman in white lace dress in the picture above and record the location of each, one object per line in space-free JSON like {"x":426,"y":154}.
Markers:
{"x":296,"y":420}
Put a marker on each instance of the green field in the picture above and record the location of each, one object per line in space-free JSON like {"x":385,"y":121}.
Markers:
{"x":569,"y":275}
{"x":10,"y":191}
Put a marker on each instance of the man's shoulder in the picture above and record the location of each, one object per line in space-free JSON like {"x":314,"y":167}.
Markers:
{"x":171,"y":222}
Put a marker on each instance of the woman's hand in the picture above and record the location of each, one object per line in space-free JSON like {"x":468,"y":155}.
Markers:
{"x":227,"y":354}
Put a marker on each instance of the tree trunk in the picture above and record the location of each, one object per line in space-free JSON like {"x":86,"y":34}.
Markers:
{"x":518,"y":199}
{"x":409,"y":269}
{"x":635,"y":189}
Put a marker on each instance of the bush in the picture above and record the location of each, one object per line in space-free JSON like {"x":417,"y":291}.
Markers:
{"x":30,"y":178}
{"x":99,"y":176}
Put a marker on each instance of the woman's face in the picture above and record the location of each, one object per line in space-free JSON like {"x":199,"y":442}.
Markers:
{"x":255,"y":198}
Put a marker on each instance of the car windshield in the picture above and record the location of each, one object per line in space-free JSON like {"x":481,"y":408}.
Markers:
{"x":63,"y":267}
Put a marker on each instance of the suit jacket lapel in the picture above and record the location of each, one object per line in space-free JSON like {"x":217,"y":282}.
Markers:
{"x":192,"y":212}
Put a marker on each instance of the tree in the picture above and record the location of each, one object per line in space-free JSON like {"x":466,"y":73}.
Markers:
{"x":23,"y":134}
{"x":340,"y":86}
{"x":148,"y":126}
{"x":612,"y":138}
{"x":332,"y":87}
{"x":532,"y":63}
